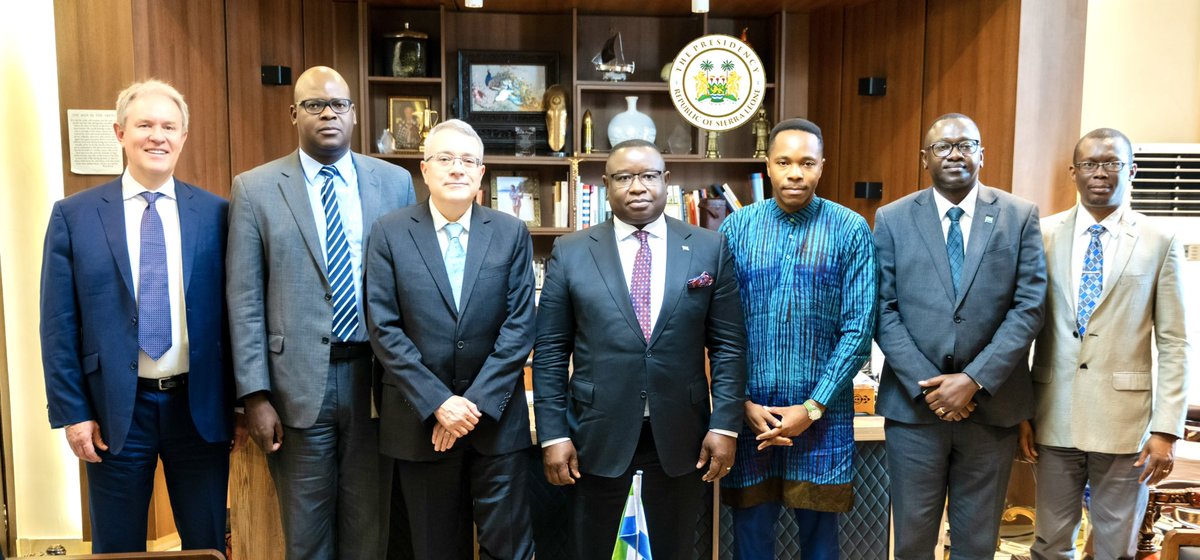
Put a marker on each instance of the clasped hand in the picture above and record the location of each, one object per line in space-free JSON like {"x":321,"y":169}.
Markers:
{"x":456,"y":418}
{"x":950,"y":395}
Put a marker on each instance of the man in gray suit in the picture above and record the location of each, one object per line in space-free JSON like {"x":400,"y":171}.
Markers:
{"x":450,"y":307}
{"x":962,"y":277}
{"x":302,"y":362}
{"x":1102,"y":416}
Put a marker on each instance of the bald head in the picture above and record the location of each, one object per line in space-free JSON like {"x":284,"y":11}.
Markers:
{"x":320,"y":78}
{"x":319,"y":95}
{"x":934,"y":133}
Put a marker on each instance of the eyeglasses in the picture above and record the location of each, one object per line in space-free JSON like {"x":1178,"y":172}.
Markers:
{"x":647,"y":178}
{"x":966,"y":148}
{"x":806,"y":165}
{"x":1089,"y":167}
{"x":447,"y":161}
{"x":317,"y":106}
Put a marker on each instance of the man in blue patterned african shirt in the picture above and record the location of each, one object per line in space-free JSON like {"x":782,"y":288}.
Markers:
{"x":806,"y":269}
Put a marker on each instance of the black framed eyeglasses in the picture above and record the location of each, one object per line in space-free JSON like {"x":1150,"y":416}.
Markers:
{"x":943,"y":149}
{"x":1090,"y":167}
{"x":647,"y":178}
{"x":316,"y":106}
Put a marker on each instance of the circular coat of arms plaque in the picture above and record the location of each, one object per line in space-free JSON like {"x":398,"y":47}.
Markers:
{"x":717,"y":82}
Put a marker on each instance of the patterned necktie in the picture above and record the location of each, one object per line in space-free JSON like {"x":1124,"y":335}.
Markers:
{"x":1091,"y":282}
{"x":337,"y":263}
{"x":456,"y":259}
{"x":639,"y":287}
{"x":154,"y":302}
{"x":954,"y":246}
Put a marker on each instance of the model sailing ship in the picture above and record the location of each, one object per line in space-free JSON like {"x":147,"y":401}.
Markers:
{"x":611,"y":60}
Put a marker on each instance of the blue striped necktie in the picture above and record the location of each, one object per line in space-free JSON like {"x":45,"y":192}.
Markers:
{"x":954,"y":246}
{"x":154,"y":300}
{"x":456,"y":258}
{"x":337,"y":261}
{"x":1091,"y":282}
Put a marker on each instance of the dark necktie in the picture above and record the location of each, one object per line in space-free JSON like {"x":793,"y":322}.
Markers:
{"x":954,"y":246}
{"x":338,"y":265}
{"x":1091,"y":282}
{"x":639,"y":286}
{"x":154,"y":301}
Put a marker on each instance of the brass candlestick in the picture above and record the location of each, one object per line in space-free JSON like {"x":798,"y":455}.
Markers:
{"x":711,"y":151}
{"x":429,"y":119}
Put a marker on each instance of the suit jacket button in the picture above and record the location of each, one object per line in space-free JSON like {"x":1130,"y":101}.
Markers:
{"x":328,"y":297}
{"x":461,"y":345}
{"x":958,"y":319}
{"x":324,"y":340}
{"x":1083,"y":366}
{"x":643,"y":394}
{"x":133,"y":365}
{"x":1075,"y":334}
{"x":133,"y":319}
{"x":649,"y":355}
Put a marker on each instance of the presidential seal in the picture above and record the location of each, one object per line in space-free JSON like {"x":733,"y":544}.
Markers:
{"x":717,"y":82}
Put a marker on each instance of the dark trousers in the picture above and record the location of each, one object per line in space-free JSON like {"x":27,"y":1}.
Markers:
{"x":754,"y":532}
{"x":673,"y":507}
{"x":969,"y":463}
{"x":441,"y":499}
{"x":197,"y":473}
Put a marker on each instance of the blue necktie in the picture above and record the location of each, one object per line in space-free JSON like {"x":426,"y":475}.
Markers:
{"x":456,"y":259}
{"x":154,"y":301}
{"x":954,"y":246}
{"x":337,"y":264}
{"x":1091,"y":283}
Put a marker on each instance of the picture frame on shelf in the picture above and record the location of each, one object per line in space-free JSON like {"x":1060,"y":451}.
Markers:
{"x":404,"y":120}
{"x":501,"y":90}
{"x":516,"y":193}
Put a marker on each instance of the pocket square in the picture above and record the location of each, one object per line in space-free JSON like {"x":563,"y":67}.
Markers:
{"x":703,"y":281}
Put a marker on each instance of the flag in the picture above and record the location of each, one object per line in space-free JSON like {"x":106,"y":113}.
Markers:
{"x":633,"y":539}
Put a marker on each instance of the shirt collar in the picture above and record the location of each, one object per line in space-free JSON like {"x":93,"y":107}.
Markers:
{"x":808,"y":211}
{"x":1085,"y":220}
{"x":131,"y":188}
{"x":440,"y":221}
{"x":967,"y":204}
{"x":344,"y":166}
{"x":657,"y":228}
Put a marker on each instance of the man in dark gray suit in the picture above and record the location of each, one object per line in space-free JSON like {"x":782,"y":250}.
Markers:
{"x":301,"y":357}
{"x":962,"y":276}
{"x":633,"y":303}
{"x":450,"y":307}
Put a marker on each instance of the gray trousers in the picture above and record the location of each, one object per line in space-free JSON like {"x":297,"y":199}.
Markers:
{"x":1116,"y":505}
{"x":969,"y":463}
{"x":333,"y":484}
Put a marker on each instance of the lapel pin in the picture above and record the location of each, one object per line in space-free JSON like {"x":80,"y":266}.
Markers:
{"x":686,"y":248}
{"x":987,"y":219}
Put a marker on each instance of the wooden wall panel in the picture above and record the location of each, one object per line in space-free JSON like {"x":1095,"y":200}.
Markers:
{"x":183,"y":42}
{"x":825,"y":92}
{"x":793,"y":70}
{"x":880,"y":137}
{"x":91,"y":72}
{"x":261,"y":32}
{"x":971,"y":51}
{"x":1049,"y":102}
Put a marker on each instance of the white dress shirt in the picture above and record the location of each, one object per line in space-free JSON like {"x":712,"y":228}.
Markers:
{"x":176,"y":359}
{"x":964,"y":222}
{"x":439,"y":226}
{"x":345,"y":188}
{"x":1109,"y":241}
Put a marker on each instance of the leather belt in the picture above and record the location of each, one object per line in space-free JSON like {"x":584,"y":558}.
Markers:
{"x":163,"y":383}
{"x":340,"y":351}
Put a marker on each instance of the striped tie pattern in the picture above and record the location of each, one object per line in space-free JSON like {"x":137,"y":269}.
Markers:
{"x":639,"y":286}
{"x":338,"y":265}
{"x":154,"y":301}
{"x":954,"y":246}
{"x":1091,"y":282}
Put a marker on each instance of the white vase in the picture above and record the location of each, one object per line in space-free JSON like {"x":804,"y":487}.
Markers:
{"x":630,"y":124}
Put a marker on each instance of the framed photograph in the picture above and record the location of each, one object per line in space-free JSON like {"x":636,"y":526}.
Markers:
{"x":501,"y":90}
{"x":516,"y":193}
{"x":404,"y":120}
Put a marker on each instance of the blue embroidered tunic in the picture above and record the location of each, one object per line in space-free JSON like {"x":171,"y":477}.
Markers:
{"x":807,"y":282}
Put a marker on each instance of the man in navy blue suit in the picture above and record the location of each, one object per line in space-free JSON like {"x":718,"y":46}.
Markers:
{"x":133,"y":333}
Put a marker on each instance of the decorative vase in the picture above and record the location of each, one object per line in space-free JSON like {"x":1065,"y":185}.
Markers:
{"x":630,"y":124}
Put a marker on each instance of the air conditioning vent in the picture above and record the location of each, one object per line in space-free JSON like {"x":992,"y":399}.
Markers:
{"x":1168,"y":179}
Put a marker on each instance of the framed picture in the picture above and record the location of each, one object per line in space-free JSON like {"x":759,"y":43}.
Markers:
{"x":501,"y":90}
{"x":404,"y":120}
{"x":516,"y":193}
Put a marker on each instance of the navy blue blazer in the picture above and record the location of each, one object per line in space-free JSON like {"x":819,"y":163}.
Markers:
{"x":89,"y":314}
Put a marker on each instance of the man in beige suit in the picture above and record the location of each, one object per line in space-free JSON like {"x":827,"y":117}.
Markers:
{"x":1103,"y":417}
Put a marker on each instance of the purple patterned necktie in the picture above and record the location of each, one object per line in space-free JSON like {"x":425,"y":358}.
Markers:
{"x":154,"y":301}
{"x":639,"y":286}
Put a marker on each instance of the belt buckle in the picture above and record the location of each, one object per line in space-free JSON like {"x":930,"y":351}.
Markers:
{"x":162,"y":385}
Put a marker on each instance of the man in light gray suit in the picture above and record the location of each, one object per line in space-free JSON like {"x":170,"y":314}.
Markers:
{"x":302,"y":360}
{"x":962,"y":276}
{"x":1103,"y":417}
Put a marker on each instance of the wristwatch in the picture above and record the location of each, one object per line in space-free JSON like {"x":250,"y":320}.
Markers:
{"x":814,"y":412}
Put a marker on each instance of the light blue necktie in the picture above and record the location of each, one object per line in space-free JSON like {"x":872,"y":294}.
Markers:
{"x":154,"y":302}
{"x":337,"y":263}
{"x":954,"y":246}
{"x":1091,"y":282}
{"x":456,"y":258}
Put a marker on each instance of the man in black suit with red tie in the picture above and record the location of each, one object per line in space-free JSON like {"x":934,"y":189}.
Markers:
{"x":633,"y":303}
